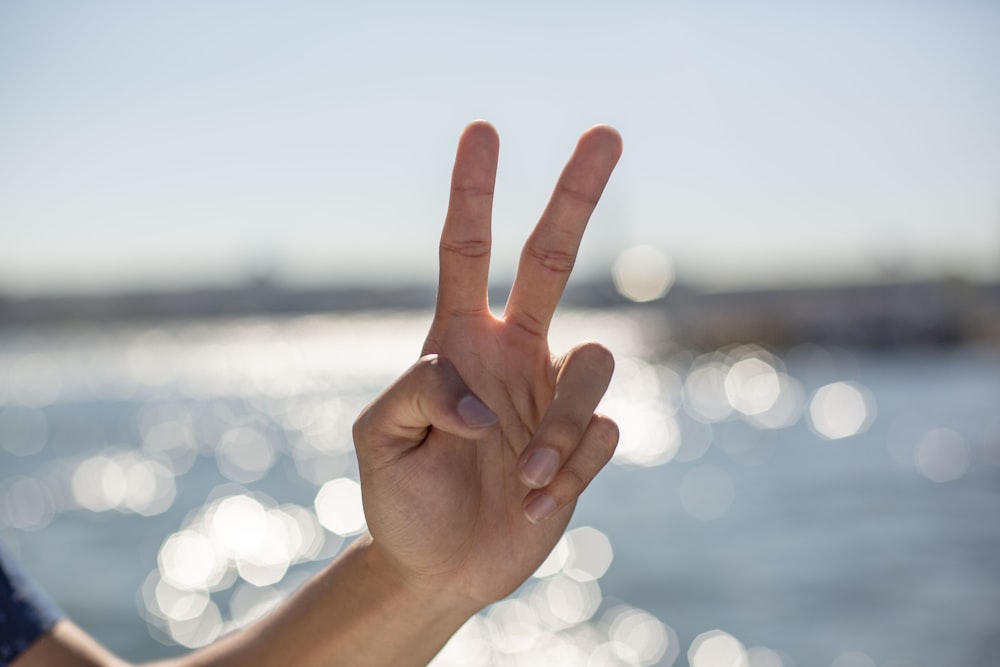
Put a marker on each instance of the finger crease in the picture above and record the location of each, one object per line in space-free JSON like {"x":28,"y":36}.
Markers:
{"x":473,"y":249}
{"x":577,"y":195}
{"x":581,"y":481}
{"x":475,"y":311}
{"x":475,"y":190}
{"x":556,"y":261}
{"x":530,"y":324}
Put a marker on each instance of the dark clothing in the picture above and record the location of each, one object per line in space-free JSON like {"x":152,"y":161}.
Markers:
{"x":26,"y":612}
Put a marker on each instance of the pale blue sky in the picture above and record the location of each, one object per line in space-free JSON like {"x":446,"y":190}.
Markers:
{"x":178,"y":143}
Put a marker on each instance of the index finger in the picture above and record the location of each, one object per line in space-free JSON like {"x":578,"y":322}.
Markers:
{"x":550,"y":252}
{"x":466,"y":239}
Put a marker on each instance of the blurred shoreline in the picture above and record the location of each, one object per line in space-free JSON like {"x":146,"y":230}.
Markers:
{"x":877,"y":316}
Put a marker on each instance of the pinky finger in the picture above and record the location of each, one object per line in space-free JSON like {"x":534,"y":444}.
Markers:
{"x":592,"y":454}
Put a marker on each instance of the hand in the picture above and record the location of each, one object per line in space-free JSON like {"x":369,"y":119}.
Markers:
{"x":472,"y":461}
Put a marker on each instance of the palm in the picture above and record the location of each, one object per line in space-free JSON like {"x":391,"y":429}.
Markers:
{"x":460,"y":505}
{"x":512,"y":372}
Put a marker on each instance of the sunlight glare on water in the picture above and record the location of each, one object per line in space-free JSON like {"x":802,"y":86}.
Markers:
{"x":237,"y":525}
{"x":642,"y":400}
{"x":513,"y":625}
{"x":705,"y":395}
{"x":556,"y":560}
{"x":171,"y":442}
{"x":189,"y":561}
{"x":787,"y":407}
{"x":648,"y":435}
{"x":339,"y":507}
{"x":717,"y":648}
{"x":232,"y":538}
{"x":179,"y":604}
{"x":583,"y":554}
{"x":626,"y":337}
{"x":748,"y":380}
{"x":590,"y":554}
{"x":569,"y":600}
{"x":244,"y":455}
{"x":650,"y":641}
{"x":200,"y":630}
{"x":124,"y":481}
{"x":553,"y":622}
{"x":752,"y":386}
{"x":469,"y":647}
{"x":840,"y":410}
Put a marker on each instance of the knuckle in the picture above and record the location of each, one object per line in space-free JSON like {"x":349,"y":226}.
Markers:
{"x":552,"y":259}
{"x":362,"y":426}
{"x":606,"y":433}
{"x":439,"y":385}
{"x":437,"y":377}
{"x":575,"y":194}
{"x":574,"y":480}
{"x":597,"y":357}
{"x":472,"y":249}
{"x":434,"y":368}
{"x":476,"y":190}
{"x":607,"y":427}
{"x":563,"y":434}
{"x":458,"y":312}
{"x":530,"y":324}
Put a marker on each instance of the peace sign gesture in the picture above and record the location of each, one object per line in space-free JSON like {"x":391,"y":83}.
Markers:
{"x":472,"y":462}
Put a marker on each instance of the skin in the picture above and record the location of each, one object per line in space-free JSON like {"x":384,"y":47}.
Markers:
{"x":471,"y":462}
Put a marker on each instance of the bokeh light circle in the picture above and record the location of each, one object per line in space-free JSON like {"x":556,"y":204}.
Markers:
{"x":643,"y":273}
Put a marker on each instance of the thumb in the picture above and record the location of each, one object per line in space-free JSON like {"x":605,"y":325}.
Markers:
{"x":429,"y":394}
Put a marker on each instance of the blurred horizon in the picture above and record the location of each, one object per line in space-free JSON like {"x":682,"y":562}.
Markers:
{"x":174,"y":146}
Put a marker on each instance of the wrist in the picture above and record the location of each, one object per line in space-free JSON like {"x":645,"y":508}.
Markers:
{"x":429,"y":596}
{"x":363,"y":605}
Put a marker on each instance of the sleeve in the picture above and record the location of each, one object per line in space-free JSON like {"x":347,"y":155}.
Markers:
{"x":26,"y":612}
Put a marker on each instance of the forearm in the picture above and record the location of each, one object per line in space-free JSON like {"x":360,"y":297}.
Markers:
{"x":358,"y":611}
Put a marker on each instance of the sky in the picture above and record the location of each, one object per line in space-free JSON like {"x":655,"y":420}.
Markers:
{"x":178,"y":144}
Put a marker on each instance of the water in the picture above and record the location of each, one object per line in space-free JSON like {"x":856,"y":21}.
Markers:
{"x":729,"y":508}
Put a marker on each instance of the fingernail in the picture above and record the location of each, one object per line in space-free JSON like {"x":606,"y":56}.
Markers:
{"x":540,"y":509}
{"x":540,"y":467}
{"x":474,"y":412}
